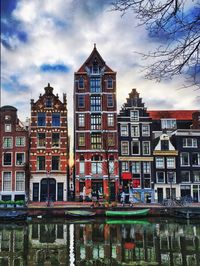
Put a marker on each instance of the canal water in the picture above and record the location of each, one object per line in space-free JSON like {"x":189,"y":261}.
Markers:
{"x":100,"y":242}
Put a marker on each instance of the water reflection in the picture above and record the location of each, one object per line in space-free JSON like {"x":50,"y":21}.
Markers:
{"x":110,"y":242}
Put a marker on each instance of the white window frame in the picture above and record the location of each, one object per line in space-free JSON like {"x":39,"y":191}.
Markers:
{"x":181,"y":159}
{"x":174,"y":177}
{"x":186,"y":143}
{"x":127,"y":147}
{"x":126,"y":131}
{"x":81,"y":120}
{"x":11,"y":159}
{"x":18,"y":164}
{"x":165,"y":122}
{"x":157,"y":181}
{"x":137,"y":131}
{"x":198,"y":159}
{"x":110,"y":119}
{"x":125,"y":166}
{"x":16,"y":181}
{"x":168,"y":163}
{"x":147,"y":167}
{"x":134,"y":117}
{"x":138,"y":147}
{"x":143,"y":144}
{"x":11,"y":140}
{"x":10,"y":180}
{"x":20,"y":137}
{"x":138,"y":169}
{"x":143,"y":131}
{"x":163,"y":163}
{"x":8,"y":128}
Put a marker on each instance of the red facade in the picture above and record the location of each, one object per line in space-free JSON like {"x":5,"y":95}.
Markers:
{"x":95,"y":129}
{"x":14,"y":174}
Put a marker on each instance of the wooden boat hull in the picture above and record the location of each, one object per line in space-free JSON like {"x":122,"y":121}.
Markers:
{"x":136,"y":213}
{"x":12,"y":215}
{"x":79,"y":213}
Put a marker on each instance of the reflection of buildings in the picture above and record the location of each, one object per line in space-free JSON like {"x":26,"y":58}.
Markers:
{"x":13,"y":248}
{"x":47,"y":244}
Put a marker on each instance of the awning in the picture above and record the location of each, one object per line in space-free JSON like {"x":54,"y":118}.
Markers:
{"x":126,"y":176}
{"x":129,"y":245}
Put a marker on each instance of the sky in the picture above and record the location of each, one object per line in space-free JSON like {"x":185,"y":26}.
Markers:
{"x":46,"y":41}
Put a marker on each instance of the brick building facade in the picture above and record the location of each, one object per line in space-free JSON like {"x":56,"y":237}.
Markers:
{"x":95,"y":128}
{"x":49,"y":148}
{"x":14,"y":146}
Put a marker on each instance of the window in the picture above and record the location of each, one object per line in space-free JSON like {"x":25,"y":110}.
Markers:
{"x":48,"y":103}
{"x":135,"y":131}
{"x":81,"y":139}
{"x":135,"y":147}
{"x":6,"y":181}
{"x":7,"y":159}
{"x":196,"y":175}
{"x":171,"y":177}
{"x":146,"y":147}
{"x":7,"y":142}
{"x":171,"y":162}
{"x":110,"y":139}
{"x":55,"y":163}
{"x":146,"y":167}
{"x":41,"y":119}
{"x":190,"y":142}
{"x":41,"y":140}
{"x":110,"y":120}
{"x":164,"y":145}
{"x":196,"y":158}
{"x":96,"y":122}
{"x":96,"y":142}
{"x":110,"y":102}
{"x":160,"y":162}
{"x":7,"y":117}
{"x":95,"y":69}
{"x":124,"y":130}
{"x":145,"y":130}
{"x":55,"y":139}
{"x":111,"y":165}
{"x":55,"y":119}
{"x":168,"y":123}
{"x":134,"y":115}
{"x":20,"y":158}
{"x":136,"y":167}
{"x":82,"y":165}
{"x":41,"y":163}
{"x":160,"y":176}
{"x":110,"y":83}
{"x":185,"y":176}
{"x":95,"y":85}
{"x":81,"y":120}
{"x":7,"y":127}
{"x":96,"y":164}
{"x":81,"y":101}
{"x":81,"y":83}
{"x":20,"y":141}
{"x":125,"y":166}
{"x":95,"y":103}
{"x":184,"y":156}
{"x":124,"y":148}
{"x":20,"y":181}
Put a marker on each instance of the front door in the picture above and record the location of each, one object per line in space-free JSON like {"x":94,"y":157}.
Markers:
{"x":112,"y":191}
{"x":35,"y":191}
{"x":48,"y":189}
{"x":160,"y":195}
{"x":60,"y":192}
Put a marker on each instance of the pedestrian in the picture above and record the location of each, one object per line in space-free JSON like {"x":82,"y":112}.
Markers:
{"x":84,"y":193}
{"x":123,"y":196}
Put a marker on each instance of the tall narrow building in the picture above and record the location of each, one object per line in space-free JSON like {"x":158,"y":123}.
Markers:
{"x":95,"y":128}
{"x":49,"y":148}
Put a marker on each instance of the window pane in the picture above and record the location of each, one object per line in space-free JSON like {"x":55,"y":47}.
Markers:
{"x":20,"y":181}
{"x":7,"y":181}
{"x":124,"y":130}
{"x":146,"y":147}
{"x":95,"y":84}
{"x":134,"y":115}
{"x":20,"y":141}
{"x":41,"y":119}
{"x":95,"y":103}
{"x":7,"y":142}
{"x":81,"y":139}
{"x":184,"y":158}
{"x":135,"y":147}
{"x":160,"y":177}
{"x":41,"y":140}
{"x":159,"y":162}
{"x":81,"y":101}
{"x":110,"y":83}
{"x":41,"y":163}
{"x":135,"y":131}
{"x":110,"y":120}
{"x":81,"y":120}
{"x":55,"y":162}
{"x":124,"y":147}
{"x":136,"y":167}
{"x":96,"y":122}
{"x":55,"y":119}
{"x":145,"y":130}
{"x":170,"y":162}
{"x":20,"y":158}
{"x":55,"y":139}
{"x":110,"y":102}
{"x":7,"y":158}
{"x":96,"y":142}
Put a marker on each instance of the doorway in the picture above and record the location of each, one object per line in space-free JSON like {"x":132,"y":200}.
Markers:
{"x":48,"y":189}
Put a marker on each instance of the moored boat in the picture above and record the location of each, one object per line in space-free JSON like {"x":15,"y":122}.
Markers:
{"x":12,"y":215}
{"x":137,"y":213}
{"x":125,"y":221}
{"x":80,"y":213}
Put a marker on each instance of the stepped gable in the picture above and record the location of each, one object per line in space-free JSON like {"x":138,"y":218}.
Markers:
{"x":94,"y":57}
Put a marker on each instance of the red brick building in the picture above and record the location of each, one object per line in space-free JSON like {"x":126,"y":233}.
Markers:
{"x":49,"y":148}
{"x":14,"y":155}
{"x":95,"y":128}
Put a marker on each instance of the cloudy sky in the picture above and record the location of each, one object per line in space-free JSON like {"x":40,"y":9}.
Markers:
{"x":45,"y":41}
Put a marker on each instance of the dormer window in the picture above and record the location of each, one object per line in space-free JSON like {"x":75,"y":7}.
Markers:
{"x":168,"y":123}
{"x":48,"y":103}
{"x":134,"y":115}
{"x":164,"y":145}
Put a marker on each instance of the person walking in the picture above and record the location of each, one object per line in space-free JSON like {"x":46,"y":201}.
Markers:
{"x":123,"y":196}
{"x":84,"y":193}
